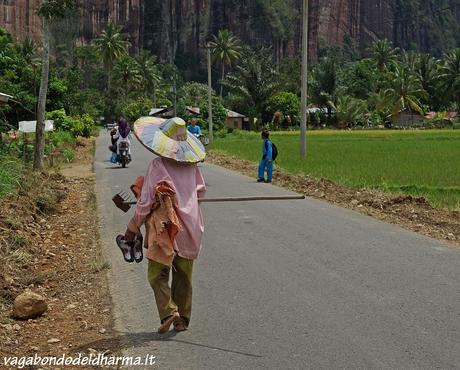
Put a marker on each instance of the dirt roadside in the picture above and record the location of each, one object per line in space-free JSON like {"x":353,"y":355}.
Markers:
{"x":412,"y":213}
{"x":56,"y":253}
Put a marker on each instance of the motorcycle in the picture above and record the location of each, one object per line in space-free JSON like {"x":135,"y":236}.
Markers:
{"x":123,"y":156}
{"x":204,"y":140}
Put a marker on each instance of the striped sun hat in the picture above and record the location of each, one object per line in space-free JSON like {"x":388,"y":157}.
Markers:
{"x":169,"y":138}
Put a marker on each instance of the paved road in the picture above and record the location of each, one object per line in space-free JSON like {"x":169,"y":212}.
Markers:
{"x":292,"y":284}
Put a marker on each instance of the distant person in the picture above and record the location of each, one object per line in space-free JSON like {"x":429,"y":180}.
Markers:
{"x":194,"y":129}
{"x":120,"y":134}
{"x":266,"y":164}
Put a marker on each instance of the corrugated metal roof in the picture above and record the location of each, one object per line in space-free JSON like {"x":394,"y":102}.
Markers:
{"x":233,"y":114}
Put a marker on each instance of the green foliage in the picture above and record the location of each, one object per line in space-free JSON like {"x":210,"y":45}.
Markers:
{"x":404,"y":91}
{"x":383,"y":54}
{"x":324,"y":82}
{"x":225,"y":48}
{"x":285,"y":102}
{"x":61,"y":137}
{"x":254,"y":79}
{"x":450,"y":76}
{"x":219,"y":113}
{"x":349,"y":111}
{"x":134,"y":109}
{"x":111,"y":45}
{"x":55,"y":8}
{"x":76,"y":125}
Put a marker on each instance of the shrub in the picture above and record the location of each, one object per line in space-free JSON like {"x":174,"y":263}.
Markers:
{"x":77,"y":126}
{"x":62,"y":137}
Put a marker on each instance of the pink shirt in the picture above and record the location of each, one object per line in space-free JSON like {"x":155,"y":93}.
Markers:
{"x":188,"y":183}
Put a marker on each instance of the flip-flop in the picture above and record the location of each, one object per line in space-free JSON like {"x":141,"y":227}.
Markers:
{"x":125,"y":248}
{"x":137,"y":248}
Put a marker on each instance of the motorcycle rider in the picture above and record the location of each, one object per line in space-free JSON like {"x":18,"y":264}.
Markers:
{"x":120,"y":134}
{"x":194,"y":129}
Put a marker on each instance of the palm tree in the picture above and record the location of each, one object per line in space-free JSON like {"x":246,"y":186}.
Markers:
{"x":427,"y":69}
{"x":348,"y":110}
{"x":112,"y":47}
{"x":28,"y":49}
{"x":149,"y":73}
{"x":48,"y":10}
{"x":404,"y":91}
{"x":254,"y":79}
{"x":225,"y":49}
{"x":383,"y":54}
{"x":450,"y":76}
{"x":126,"y":74}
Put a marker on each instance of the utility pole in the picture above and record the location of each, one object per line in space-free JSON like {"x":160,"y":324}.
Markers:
{"x":303,"y":104}
{"x":211,"y":136}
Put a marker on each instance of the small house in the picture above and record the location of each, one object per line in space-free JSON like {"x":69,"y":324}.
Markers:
{"x":236,"y":120}
{"x":407,"y":118}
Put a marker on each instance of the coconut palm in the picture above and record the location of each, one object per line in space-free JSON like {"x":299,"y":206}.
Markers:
{"x":254,"y":79}
{"x":112,"y":46}
{"x":225,"y":49}
{"x":149,"y":73}
{"x":48,"y":10}
{"x":428,"y":70}
{"x":404,"y":92}
{"x":127,"y":75}
{"x":383,"y":54}
{"x":450,"y":76}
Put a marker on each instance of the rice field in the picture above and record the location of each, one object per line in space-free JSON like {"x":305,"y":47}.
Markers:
{"x":416,"y":162}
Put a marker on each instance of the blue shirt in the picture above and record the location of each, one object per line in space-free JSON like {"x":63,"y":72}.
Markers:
{"x":267,"y":151}
{"x":194,"y":130}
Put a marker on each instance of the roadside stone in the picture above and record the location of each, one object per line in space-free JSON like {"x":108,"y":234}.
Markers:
{"x":8,"y":327}
{"x":29,"y":305}
{"x":53,"y":340}
{"x":33,"y":348}
{"x":102,"y":331}
{"x":16,"y":327}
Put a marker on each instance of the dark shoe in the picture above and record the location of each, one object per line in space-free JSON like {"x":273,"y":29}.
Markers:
{"x":166,"y":324}
{"x":179,"y":325}
{"x":125,"y":247}
{"x":137,"y":248}
{"x":268,"y":181}
{"x":260,"y":180}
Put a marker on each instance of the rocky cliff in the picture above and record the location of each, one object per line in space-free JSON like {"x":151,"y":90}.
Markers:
{"x":20,"y":18}
{"x":176,"y":30}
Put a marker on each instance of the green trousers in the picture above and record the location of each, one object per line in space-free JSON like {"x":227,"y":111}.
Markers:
{"x":178,"y":297}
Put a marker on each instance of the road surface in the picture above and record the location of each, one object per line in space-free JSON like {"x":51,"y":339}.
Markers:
{"x":289,"y":284}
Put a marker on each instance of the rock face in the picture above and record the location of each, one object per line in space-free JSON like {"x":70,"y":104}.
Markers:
{"x":176,"y":30}
{"x":29,"y":305}
{"x":20,"y":18}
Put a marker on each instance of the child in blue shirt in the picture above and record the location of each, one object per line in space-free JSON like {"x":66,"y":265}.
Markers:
{"x":194,"y":129}
{"x":267,"y":162}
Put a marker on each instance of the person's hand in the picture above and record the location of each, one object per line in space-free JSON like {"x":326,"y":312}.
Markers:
{"x":129,"y":235}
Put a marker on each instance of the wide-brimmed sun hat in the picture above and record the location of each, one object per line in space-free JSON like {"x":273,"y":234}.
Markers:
{"x":169,"y":139}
